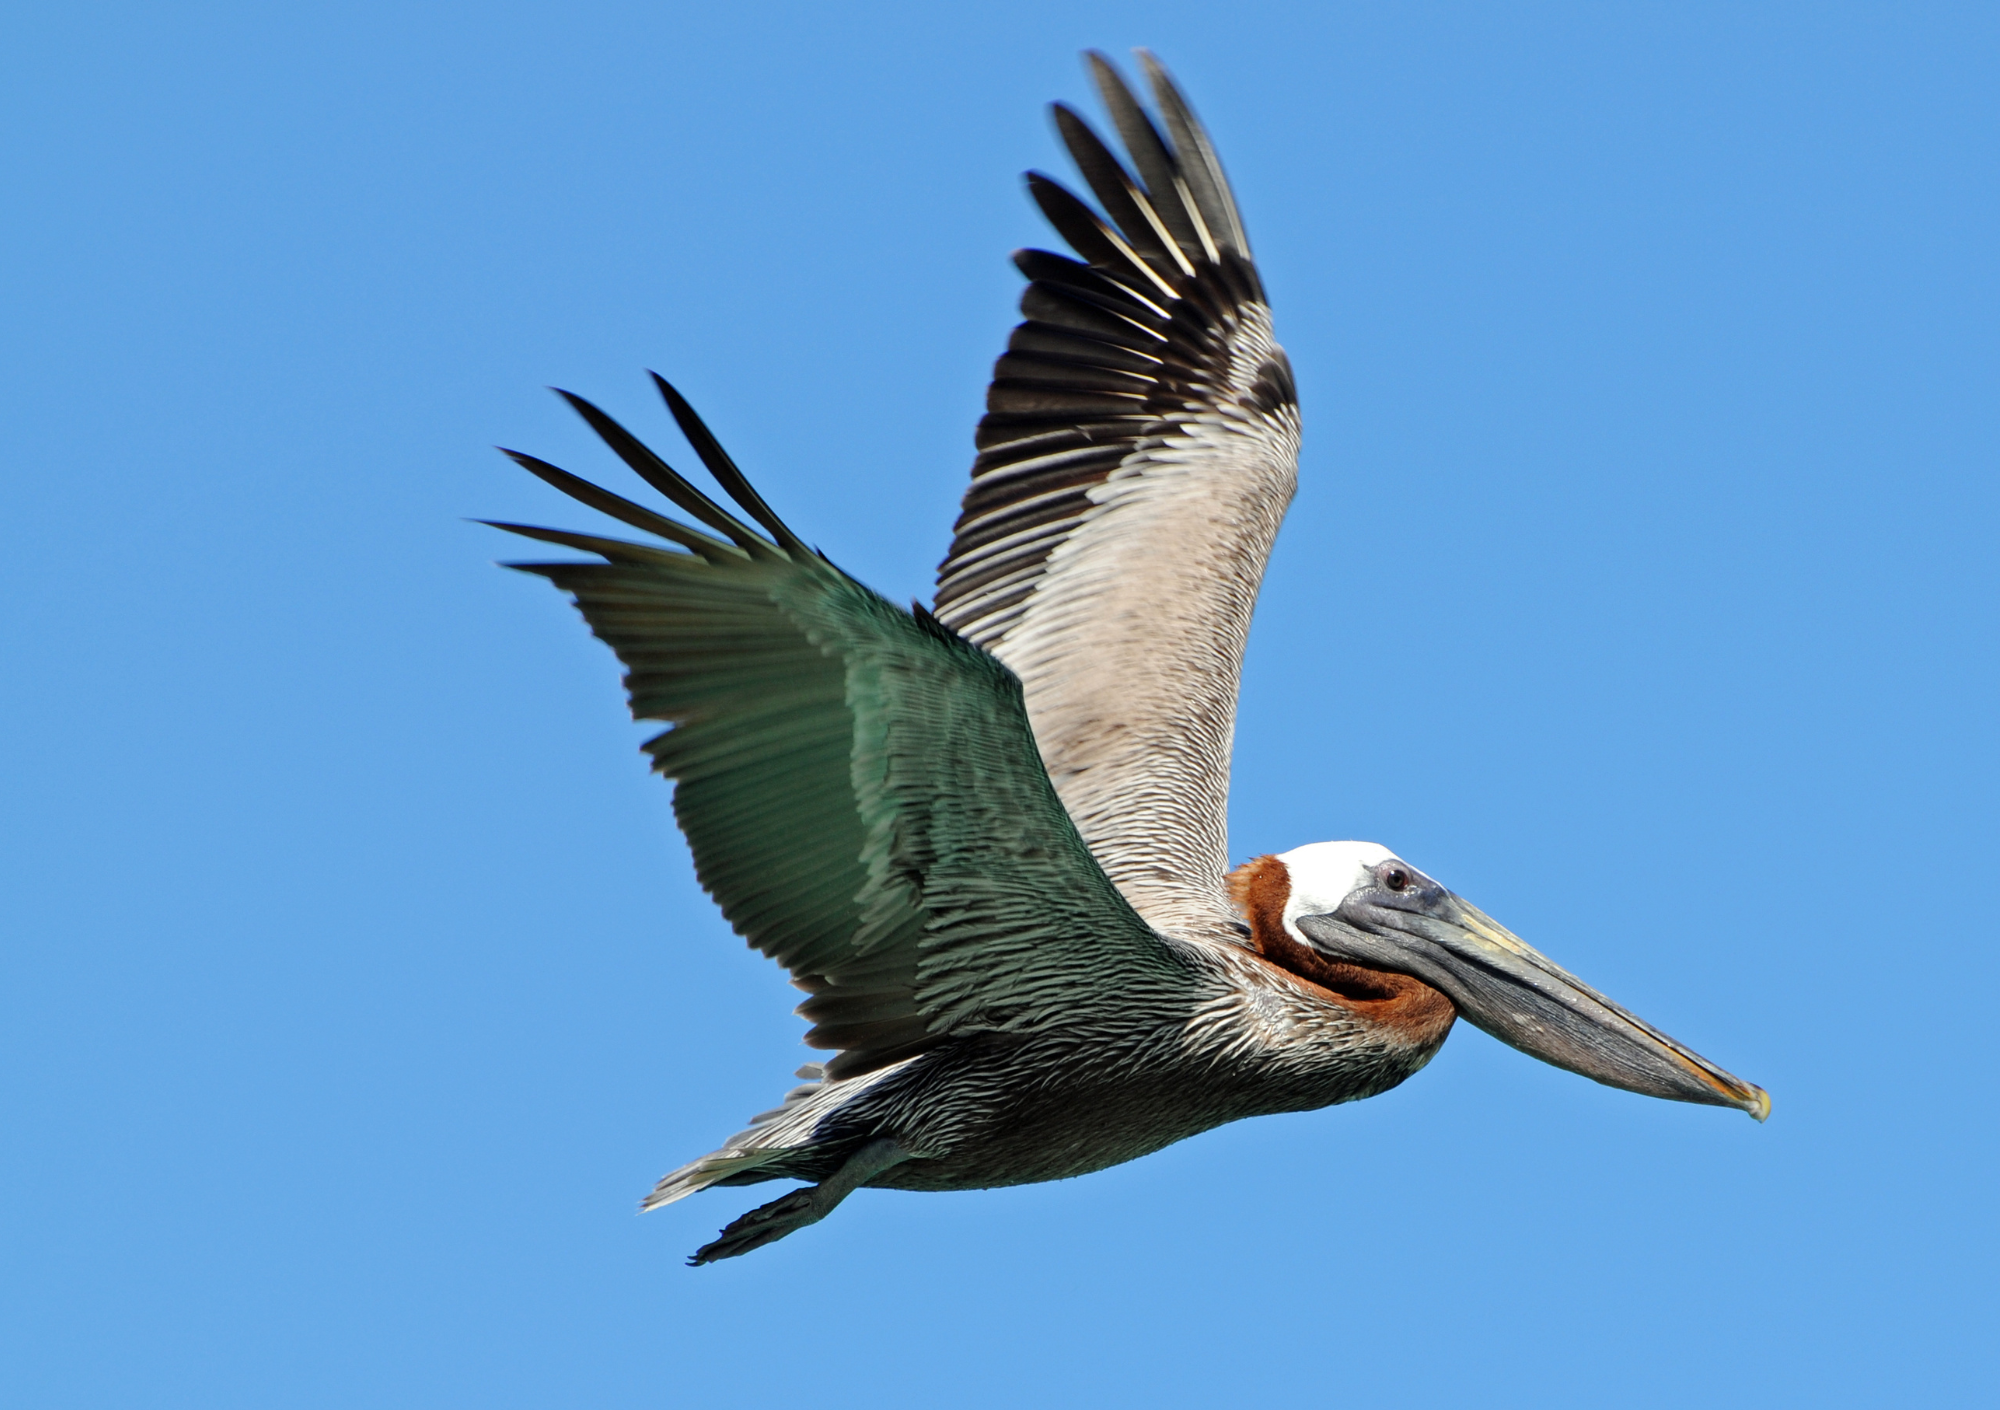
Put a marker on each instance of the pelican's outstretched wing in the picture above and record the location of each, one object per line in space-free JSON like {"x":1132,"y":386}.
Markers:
{"x":859,"y":785}
{"x":1139,"y":448}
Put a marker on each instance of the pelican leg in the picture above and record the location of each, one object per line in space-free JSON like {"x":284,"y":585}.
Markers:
{"x":770,"y":1222}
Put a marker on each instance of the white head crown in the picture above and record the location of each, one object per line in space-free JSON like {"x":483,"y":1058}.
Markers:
{"x":1323,"y":874}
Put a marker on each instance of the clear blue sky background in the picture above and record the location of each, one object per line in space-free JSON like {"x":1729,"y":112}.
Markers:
{"x":1641,"y":586}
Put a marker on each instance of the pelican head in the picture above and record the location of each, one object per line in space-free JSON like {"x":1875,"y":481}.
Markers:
{"x":1359,"y":903}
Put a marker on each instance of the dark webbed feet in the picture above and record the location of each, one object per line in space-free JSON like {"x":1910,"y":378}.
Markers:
{"x":770,"y":1222}
{"x":765,"y":1224}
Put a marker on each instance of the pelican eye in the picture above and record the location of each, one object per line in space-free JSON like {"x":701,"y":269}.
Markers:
{"x":1395,"y":878}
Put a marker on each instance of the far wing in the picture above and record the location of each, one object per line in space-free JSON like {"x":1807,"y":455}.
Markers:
{"x":1139,"y":449}
{"x":859,"y":785}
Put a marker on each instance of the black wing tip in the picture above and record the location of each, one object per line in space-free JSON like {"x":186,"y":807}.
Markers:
{"x":670,"y":482}
{"x":533,"y":569}
{"x":1181,"y":176}
{"x":1102,"y":67}
{"x":677,"y":404}
{"x":720,"y":464}
{"x":541,"y":535}
{"x":523,"y":459}
{"x":648,"y":465}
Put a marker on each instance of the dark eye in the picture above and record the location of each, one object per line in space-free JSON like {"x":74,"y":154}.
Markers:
{"x":1395,"y":878}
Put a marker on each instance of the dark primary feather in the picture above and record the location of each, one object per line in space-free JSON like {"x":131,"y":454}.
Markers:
{"x":1199,"y":165}
{"x":858,"y":784}
{"x":1157,"y":169}
{"x":1123,"y":200}
{"x":717,"y":460}
{"x":661,"y":476}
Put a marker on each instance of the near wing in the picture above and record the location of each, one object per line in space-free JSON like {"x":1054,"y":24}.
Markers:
{"x":859,"y":785}
{"x":1139,"y":449}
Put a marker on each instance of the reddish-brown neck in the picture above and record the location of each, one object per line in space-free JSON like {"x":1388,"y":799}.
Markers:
{"x":1261,"y":887}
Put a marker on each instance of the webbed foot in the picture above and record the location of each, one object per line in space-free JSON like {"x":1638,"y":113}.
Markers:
{"x":765,"y":1224}
{"x":770,"y":1222}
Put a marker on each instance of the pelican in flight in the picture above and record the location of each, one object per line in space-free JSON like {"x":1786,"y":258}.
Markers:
{"x":987,"y":839}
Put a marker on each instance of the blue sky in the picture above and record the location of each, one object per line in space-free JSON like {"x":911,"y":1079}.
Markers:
{"x":1641,"y":586}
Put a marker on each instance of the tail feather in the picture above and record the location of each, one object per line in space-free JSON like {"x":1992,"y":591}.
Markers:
{"x":783,"y":1136}
{"x":700,"y":1174}
{"x":773,"y":1136}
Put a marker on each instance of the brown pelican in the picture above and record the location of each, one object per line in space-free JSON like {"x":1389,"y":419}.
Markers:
{"x":987,"y":840}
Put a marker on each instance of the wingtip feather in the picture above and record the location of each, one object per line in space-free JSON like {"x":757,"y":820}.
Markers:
{"x":723,"y":467}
